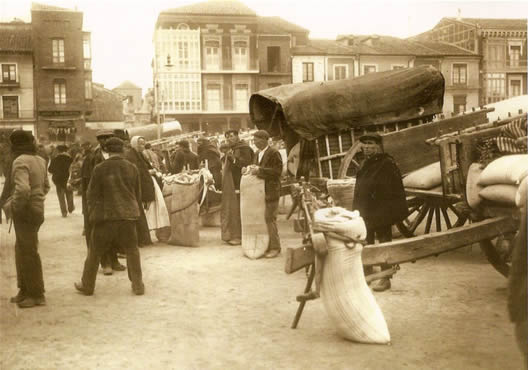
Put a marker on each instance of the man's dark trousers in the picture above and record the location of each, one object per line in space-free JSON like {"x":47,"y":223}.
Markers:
{"x":104,"y":236}
{"x":65,"y":198}
{"x":270,"y":216}
{"x":27,"y":259}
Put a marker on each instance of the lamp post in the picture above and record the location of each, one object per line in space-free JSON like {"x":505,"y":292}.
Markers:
{"x":156,"y":102}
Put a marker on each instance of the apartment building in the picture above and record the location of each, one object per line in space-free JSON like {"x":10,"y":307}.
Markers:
{"x":502,"y":45}
{"x":62,"y":72}
{"x":17,"y":108}
{"x":133,"y":98}
{"x":208,"y":59}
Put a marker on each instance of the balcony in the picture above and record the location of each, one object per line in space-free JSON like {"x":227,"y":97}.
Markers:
{"x":59,"y":67}
{"x":507,"y":65}
{"x":21,"y":115}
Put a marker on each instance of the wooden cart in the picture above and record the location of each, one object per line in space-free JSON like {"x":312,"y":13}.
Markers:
{"x":413,"y":140}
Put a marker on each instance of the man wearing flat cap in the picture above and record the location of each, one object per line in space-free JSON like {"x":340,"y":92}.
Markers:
{"x":60,"y":170}
{"x":109,"y":261}
{"x":114,"y":202}
{"x":28,"y":188}
{"x":269,"y":168}
{"x":379,"y":195}
{"x":238,"y":155}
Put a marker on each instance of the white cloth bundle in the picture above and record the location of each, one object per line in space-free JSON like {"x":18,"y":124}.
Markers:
{"x":157,"y":214}
{"x":424,"y":178}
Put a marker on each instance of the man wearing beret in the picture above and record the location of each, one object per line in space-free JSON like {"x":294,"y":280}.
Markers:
{"x":113,"y":208}
{"x":28,"y":188}
{"x":269,"y":168}
{"x":379,"y":196}
{"x":109,"y":261}
{"x":238,"y":155}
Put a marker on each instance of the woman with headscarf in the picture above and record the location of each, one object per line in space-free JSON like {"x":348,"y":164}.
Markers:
{"x":135,"y":155}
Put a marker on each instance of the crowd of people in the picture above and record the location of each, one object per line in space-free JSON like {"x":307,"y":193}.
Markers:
{"x":120,"y":182}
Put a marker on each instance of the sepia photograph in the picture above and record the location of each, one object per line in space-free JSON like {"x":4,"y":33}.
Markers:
{"x":263,"y":184}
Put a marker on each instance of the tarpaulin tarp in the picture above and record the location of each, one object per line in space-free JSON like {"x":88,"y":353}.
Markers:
{"x":316,"y":108}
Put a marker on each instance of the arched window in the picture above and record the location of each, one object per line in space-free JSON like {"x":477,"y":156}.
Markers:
{"x":183,"y":26}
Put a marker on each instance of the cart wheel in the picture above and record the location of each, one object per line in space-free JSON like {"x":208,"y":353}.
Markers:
{"x":350,"y":163}
{"x":426,"y":209}
{"x":498,"y":252}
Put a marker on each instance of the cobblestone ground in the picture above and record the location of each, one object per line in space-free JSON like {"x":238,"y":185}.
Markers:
{"x":209,"y":307}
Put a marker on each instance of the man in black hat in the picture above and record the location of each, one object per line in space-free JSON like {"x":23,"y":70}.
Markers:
{"x":269,"y":168}
{"x":379,"y":195}
{"x":28,"y":188}
{"x":60,"y":169}
{"x":238,"y":155}
{"x":114,"y":202}
{"x":109,"y":261}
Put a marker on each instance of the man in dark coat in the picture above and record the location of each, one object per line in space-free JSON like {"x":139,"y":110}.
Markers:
{"x":60,"y":169}
{"x":28,"y":188}
{"x":184,"y":158}
{"x":269,"y":168}
{"x":114,"y":201}
{"x":379,"y":195}
{"x":238,"y":155}
{"x":208,"y":152}
{"x":109,"y":261}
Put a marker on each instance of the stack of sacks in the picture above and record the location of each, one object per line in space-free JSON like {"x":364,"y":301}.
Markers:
{"x":426,"y":178}
{"x":501,"y":179}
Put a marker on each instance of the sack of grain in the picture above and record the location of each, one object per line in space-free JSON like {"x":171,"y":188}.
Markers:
{"x":424,"y":178}
{"x":500,"y":193}
{"x":342,"y":191}
{"x":509,"y":169}
{"x":520,"y":197}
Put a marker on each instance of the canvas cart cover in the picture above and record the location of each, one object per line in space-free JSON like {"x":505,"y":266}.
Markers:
{"x":317,"y":108}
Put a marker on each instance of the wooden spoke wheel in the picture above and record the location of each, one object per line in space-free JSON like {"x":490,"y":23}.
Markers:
{"x":498,"y":252}
{"x":350,"y":163}
{"x":430,"y":213}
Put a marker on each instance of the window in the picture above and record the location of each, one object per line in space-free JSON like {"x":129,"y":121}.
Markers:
{"x":183,"y":54}
{"x":10,"y":106}
{"x":459,"y":104}
{"x":241,"y":97}
{"x":369,"y":68}
{"x":88,"y":89}
{"x":459,"y":74}
{"x":515,"y":55}
{"x":308,"y":72}
{"x":496,"y":56}
{"x":213,"y":97}
{"x":58,"y":50}
{"x":9,"y":73}
{"x":273,"y":58}
{"x":59,"y":87}
{"x":495,"y":87}
{"x":515,"y":88}
{"x":212,"y":58}
{"x":87,"y":50}
{"x":240,"y":55}
{"x":340,"y":72}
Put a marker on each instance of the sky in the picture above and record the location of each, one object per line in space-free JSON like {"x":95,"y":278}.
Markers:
{"x":122,"y":30}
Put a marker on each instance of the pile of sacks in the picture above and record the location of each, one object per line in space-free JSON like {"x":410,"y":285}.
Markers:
{"x":425,"y":178}
{"x":502,"y":181}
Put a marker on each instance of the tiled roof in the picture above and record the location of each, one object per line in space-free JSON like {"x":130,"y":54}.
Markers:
{"x":127,"y":85}
{"x":324,"y":47}
{"x":49,"y":8}
{"x":214,"y":7}
{"x":496,"y":23}
{"x":441,"y":48}
{"x":15,"y":37}
{"x":277,"y":26}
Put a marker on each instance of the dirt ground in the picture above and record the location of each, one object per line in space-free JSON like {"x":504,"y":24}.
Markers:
{"x":209,"y":307}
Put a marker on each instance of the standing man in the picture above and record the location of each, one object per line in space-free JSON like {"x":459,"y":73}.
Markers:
{"x":269,"y":168}
{"x":109,"y":261}
{"x":379,"y":196}
{"x":29,"y":186}
{"x":184,"y":158}
{"x":238,"y":155}
{"x":60,"y":170}
{"x":114,"y":201}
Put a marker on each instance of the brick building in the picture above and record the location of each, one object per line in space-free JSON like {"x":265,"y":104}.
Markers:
{"x":211,"y":56}
{"x":62,"y":72}
{"x":502,"y":45}
{"x":17,"y":108}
